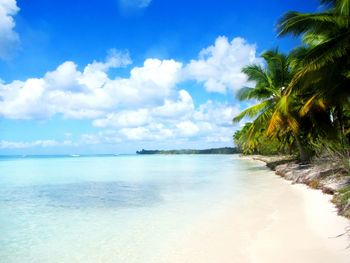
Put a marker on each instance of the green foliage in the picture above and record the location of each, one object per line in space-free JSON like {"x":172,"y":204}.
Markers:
{"x":275,"y":117}
{"x":334,"y":151}
{"x":258,"y":143}
{"x":323,"y":68}
{"x":342,"y":200}
{"x":303,"y":98}
{"x":224,"y":150}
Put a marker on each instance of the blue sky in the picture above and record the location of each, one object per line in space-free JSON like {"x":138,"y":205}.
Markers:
{"x":115,"y":76}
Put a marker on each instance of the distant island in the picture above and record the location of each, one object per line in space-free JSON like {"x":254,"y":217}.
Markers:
{"x":224,"y":150}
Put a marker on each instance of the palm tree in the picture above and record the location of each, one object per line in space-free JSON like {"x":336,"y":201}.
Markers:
{"x":273,"y":111}
{"x":257,"y":143}
{"x":324,"y":68}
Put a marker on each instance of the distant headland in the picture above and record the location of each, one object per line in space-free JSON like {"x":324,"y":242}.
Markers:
{"x":224,"y":150}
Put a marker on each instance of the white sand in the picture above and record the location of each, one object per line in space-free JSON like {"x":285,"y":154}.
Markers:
{"x":278,"y":222}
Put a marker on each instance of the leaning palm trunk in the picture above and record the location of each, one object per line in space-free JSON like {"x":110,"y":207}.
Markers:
{"x":340,"y":122}
{"x":304,"y":155}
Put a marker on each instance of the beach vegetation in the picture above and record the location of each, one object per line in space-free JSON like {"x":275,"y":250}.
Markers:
{"x":302,"y":99}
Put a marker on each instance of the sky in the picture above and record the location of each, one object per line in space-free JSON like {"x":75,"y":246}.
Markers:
{"x":116,"y":76}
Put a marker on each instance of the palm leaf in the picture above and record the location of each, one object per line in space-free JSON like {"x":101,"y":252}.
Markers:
{"x":323,"y":55}
{"x":343,"y":7}
{"x":307,"y":106}
{"x":256,"y":73}
{"x":252,"y":111}
{"x":298,"y":23}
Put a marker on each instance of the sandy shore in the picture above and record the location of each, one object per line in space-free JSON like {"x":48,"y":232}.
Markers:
{"x":277,"y":222}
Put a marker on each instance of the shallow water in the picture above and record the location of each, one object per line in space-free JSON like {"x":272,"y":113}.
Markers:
{"x":111,"y":209}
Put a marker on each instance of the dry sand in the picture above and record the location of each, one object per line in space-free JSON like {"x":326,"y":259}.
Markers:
{"x":277,"y":222}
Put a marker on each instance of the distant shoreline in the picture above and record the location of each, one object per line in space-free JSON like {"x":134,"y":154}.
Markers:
{"x":223,"y":150}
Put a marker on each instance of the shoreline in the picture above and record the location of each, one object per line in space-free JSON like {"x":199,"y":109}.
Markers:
{"x":280,"y":223}
{"x":324,"y":176}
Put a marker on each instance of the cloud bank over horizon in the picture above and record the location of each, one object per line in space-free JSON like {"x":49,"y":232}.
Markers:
{"x":149,"y":104}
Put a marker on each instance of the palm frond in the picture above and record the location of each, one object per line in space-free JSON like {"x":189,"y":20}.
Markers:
{"x":252,"y":111}
{"x":298,"y":23}
{"x":343,"y":7}
{"x":256,"y":73}
{"x":245,"y":93}
{"x":323,"y":55}
{"x":282,"y":105}
{"x":328,"y":2}
{"x":313,"y":39}
{"x":275,"y":121}
{"x":347,"y":74}
{"x":293,"y":124}
{"x":307,"y":106}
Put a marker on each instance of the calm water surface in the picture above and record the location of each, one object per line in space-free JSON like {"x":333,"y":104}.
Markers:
{"x":110,"y":209}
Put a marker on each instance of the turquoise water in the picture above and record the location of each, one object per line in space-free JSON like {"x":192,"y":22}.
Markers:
{"x":110,"y":209}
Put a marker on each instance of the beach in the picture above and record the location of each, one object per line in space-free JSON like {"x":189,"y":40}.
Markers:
{"x":280,"y":223}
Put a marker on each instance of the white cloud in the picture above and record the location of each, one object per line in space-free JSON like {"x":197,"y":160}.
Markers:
{"x":134,"y":4}
{"x":124,"y":119}
{"x":169,"y":112}
{"x":136,"y":134}
{"x":90,"y":93}
{"x":23,"y":100}
{"x":183,"y":106}
{"x":9,"y":38}
{"x":152,"y":82}
{"x":65,"y":77}
{"x":218,"y":113}
{"x":219,"y":66}
{"x":211,"y":122}
{"x":95,"y":74}
{"x":148,"y":105}
{"x":187,"y":128}
{"x":21,"y":145}
{"x":151,"y":132}
{"x":93,"y":94}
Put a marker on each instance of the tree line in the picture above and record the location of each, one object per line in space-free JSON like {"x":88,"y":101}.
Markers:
{"x":224,"y":150}
{"x":301,"y":98}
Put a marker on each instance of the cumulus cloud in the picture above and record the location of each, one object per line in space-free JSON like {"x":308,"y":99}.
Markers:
{"x":89,"y":93}
{"x":147,"y":105}
{"x":22,"y":145}
{"x":179,"y":108}
{"x":130,"y":6}
{"x":187,"y":128}
{"x":218,"y":113}
{"x":9,"y":37}
{"x":210,"y":122}
{"x":168,"y":111}
{"x":175,"y":118}
{"x":219,"y":66}
{"x":124,"y":119}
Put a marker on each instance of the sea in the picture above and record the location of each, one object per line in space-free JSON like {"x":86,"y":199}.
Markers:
{"x":124,"y":208}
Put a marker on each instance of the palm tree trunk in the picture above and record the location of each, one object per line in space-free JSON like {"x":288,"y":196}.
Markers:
{"x":340,"y":118}
{"x":304,"y":155}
